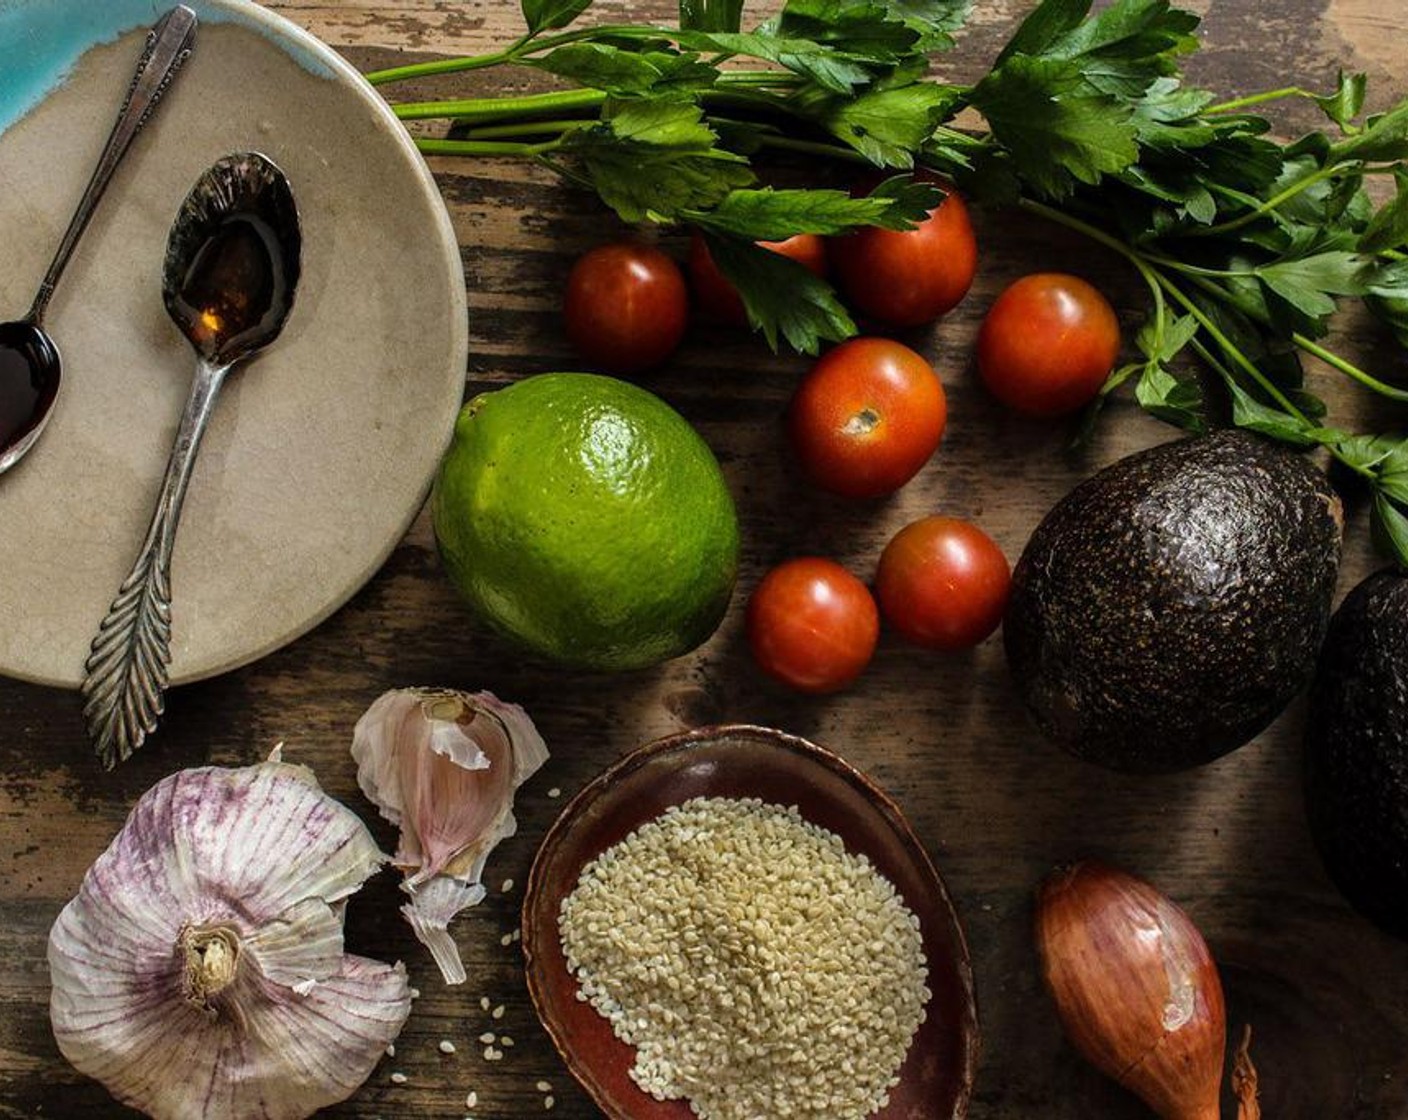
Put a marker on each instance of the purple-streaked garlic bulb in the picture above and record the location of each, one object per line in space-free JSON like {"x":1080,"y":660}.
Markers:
{"x":200,"y":970}
{"x":444,"y":766}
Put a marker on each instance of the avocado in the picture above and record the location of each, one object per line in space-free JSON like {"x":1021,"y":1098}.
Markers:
{"x":1167,"y":609}
{"x":1356,"y":751}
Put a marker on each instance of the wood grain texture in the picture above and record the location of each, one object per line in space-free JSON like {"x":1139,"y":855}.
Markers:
{"x":995,"y":805}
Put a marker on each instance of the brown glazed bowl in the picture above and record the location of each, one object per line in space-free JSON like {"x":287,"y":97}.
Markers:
{"x":741,"y":761}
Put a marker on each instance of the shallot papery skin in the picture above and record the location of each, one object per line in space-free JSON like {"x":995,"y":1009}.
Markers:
{"x":200,"y":973}
{"x":445,"y":766}
{"x":1136,"y":987}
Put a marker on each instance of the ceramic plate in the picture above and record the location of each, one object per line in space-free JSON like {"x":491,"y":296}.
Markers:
{"x":937,"y":1076}
{"x":321,"y":450}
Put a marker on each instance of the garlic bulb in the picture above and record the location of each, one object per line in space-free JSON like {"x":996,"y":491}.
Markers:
{"x":200,"y":970}
{"x":444,"y":766}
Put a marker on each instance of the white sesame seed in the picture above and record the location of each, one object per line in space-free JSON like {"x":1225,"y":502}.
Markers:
{"x":508,"y":885}
{"x":472,"y":1101}
{"x":544,"y":1086}
{"x":398,"y":1079}
{"x":504,"y":1040}
{"x":506,"y":940}
{"x":484,"y":1002}
{"x":798,"y":963}
{"x":488,"y":1053}
{"x":487,"y":1038}
{"x":498,"y":1012}
{"x":415,"y":993}
{"x":554,"y":792}
{"x":446,"y":1046}
{"x":391,"y":1050}
{"x":548,"y":1102}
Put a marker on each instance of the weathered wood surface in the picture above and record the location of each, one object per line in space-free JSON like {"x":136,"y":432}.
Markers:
{"x":995,"y":805}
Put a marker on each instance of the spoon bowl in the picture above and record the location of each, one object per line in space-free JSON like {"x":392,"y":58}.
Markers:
{"x":29,"y":382}
{"x":30,"y":369}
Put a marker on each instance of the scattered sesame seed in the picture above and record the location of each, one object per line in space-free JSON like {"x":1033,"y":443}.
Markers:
{"x":504,"y":1040}
{"x":391,"y":1050}
{"x":506,"y":940}
{"x":415,"y":993}
{"x":488,"y":1053}
{"x":548,"y":1102}
{"x":554,"y":792}
{"x":398,"y":1079}
{"x":508,"y":885}
{"x":446,"y":1046}
{"x":518,"y":935}
{"x":487,"y":1038}
{"x":472,"y":1101}
{"x":484,"y":1002}
{"x":498,"y":1012}
{"x":544,"y":1086}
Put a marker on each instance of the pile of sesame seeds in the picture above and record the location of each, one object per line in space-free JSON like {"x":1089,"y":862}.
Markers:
{"x":757,"y":967}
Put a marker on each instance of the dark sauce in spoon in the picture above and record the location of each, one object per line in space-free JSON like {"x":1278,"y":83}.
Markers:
{"x":233,"y":294}
{"x":28,"y":381}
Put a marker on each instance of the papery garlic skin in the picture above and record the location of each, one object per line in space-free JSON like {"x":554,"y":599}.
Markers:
{"x":200,"y":973}
{"x":445,"y":766}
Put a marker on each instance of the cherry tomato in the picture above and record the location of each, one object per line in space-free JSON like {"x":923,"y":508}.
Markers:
{"x":1047,"y":344}
{"x":717,"y":297}
{"x":908,"y":277}
{"x":812,"y":625}
{"x":865,"y":419}
{"x":626,"y":307}
{"x":943,"y":583}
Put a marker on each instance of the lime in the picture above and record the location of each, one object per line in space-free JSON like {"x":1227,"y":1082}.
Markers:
{"x":584,"y":517}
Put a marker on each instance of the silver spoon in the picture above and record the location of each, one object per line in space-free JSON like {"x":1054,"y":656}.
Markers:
{"x":29,"y":361}
{"x":232,"y":264}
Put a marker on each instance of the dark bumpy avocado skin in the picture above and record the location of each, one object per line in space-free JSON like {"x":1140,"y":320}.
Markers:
{"x":1170,"y":607}
{"x":1356,"y":772}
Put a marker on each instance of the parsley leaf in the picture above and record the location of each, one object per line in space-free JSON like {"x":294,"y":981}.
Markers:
{"x":774,"y":215}
{"x":548,"y":15}
{"x":1389,"y":227}
{"x":1347,"y":102}
{"x":1056,"y":130}
{"x":782,"y":297}
{"x":888,"y":125}
{"x":1391,"y":527}
{"x":627,"y":73}
{"x":651,"y":160}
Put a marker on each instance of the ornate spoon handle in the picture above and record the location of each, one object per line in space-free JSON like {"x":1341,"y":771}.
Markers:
{"x":169,"y":44}
{"x":125,"y":686}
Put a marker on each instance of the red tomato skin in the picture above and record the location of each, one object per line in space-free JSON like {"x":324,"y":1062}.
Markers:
{"x":626,"y":307}
{"x":943,"y":583}
{"x":812,"y":625}
{"x":867,"y":417}
{"x":716,"y":297}
{"x":1047,"y":344}
{"x":907,"y":278}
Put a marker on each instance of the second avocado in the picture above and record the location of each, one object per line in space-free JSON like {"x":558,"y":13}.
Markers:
{"x":1168,"y":609}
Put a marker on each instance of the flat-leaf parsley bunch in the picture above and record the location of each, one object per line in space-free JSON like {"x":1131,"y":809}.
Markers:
{"x":1247,"y":244}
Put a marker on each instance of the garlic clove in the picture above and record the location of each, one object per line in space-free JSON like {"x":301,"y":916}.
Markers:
{"x":445,"y":766}
{"x":200,"y":969}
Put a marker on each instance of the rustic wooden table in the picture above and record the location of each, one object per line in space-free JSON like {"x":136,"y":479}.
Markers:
{"x":995,"y":805}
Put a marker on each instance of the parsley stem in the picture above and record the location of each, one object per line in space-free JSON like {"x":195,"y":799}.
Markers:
{"x":811,"y":147}
{"x":1232,"y":350}
{"x":1258,"y":99}
{"x":487,"y":109}
{"x":436,"y":147}
{"x":1275,"y":202}
{"x":529,"y":43}
{"x":523,"y":128}
{"x":1349,"y":369}
{"x":448,"y":65}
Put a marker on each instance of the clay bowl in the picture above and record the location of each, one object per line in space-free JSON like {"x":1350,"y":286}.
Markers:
{"x":740,"y":761}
